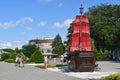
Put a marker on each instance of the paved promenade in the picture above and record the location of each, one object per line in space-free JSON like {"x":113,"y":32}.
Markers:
{"x":107,"y":68}
{"x":10,"y":72}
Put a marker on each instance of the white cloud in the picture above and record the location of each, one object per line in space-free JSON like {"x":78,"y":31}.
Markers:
{"x":42,"y":23}
{"x":57,"y":25}
{"x":17,"y":43}
{"x":4,"y":44}
{"x":65,"y":23}
{"x":60,"y":5}
{"x":17,"y":23}
{"x":23,"y":20}
{"x":28,"y":28}
{"x":12,"y":45}
{"x":22,"y":33}
{"x":6,"y":25}
{"x":45,"y":1}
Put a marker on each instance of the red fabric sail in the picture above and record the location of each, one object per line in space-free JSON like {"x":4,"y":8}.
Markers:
{"x":84,"y":19}
{"x":80,"y":25}
{"x":75,"y":42}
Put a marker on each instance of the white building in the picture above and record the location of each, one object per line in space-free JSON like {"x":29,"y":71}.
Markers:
{"x":45,"y":45}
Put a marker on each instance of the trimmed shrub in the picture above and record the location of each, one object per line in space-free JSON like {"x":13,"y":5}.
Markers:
{"x":100,"y":56}
{"x":10,"y":60}
{"x":5,"y":56}
{"x":37,"y":57}
{"x":0,"y":59}
{"x":13,"y":56}
{"x":27,"y":60}
{"x":59,"y":65}
{"x":111,"y":77}
{"x":118,"y":77}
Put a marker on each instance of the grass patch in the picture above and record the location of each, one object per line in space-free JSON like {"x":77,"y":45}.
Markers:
{"x":111,"y":77}
{"x":52,"y":65}
{"x":63,"y":64}
{"x":9,"y":60}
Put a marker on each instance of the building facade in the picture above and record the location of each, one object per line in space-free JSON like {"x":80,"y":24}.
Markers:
{"x":45,"y":45}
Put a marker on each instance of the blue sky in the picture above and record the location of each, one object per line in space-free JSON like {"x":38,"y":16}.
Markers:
{"x":23,"y":20}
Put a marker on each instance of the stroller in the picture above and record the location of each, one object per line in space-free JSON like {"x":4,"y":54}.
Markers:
{"x":97,"y":68}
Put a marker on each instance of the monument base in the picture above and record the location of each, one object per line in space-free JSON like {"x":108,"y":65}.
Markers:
{"x":82,"y":61}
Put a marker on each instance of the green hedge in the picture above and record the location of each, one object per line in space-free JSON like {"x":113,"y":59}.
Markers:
{"x":37,"y":57}
{"x":59,"y":65}
{"x":10,"y":60}
{"x":52,"y":65}
{"x":5,"y":56}
{"x":111,"y":77}
{"x":13,"y":55}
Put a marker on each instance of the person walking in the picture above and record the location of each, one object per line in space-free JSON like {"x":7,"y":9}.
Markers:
{"x":61,"y":58}
{"x":16,"y":61}
{"x":45,"y":61}
{"x":21,"y":61}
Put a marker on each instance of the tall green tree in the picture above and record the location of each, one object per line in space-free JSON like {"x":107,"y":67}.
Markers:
{"x":57,"y":41}
{"x":58,"y":46}
{"x":69,"y":34}
{"x":17,"y":50}
{"x":28,"y":50}
{"x":105,"y":26}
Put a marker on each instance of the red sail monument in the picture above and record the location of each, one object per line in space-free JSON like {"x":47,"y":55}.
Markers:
{"x":82,"y":56}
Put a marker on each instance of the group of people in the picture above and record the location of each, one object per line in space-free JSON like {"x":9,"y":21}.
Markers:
{"x":19,"y":61}
{"x":64,"y":58}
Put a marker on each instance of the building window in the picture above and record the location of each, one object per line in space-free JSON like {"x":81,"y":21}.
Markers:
{"x":45,"y":44}
{"x":46,"y":51}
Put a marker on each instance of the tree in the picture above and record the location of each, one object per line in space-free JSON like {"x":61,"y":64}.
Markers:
{"x":37,"y":57}
{"x":17,"y":50}
{"x":57,"y":41}
{"x":28,"y":50}
{"x":57,"y":45}
{"x":69,"y":34}
{"x":104,"y":26}
{"x":8,"y":50}
{"x":59,"y":49}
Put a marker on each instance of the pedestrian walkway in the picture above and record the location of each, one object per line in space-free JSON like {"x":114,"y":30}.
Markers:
{"x":9,"y":71}
{"x":107,"y":68}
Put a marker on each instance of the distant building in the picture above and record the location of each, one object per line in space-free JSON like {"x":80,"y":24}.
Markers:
{"x":45,"y":45}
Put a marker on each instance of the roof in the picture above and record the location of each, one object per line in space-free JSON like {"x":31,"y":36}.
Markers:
{"x":41,"y":40}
